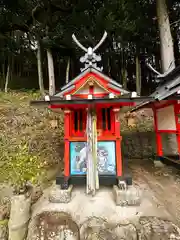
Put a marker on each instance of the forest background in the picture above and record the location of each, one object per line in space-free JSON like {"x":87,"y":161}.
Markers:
{"x":37,"y":51}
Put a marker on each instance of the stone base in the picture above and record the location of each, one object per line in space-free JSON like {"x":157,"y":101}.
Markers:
{"x":158,"y":164}
{"x":129,"y":197}
{"x":58,"y":195}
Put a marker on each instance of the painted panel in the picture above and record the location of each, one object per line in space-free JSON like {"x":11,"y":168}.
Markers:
{"x":98,"y":89}
{"x":169,"y":144}
{"x":166,"y":118}
{"x":106,"y":158}
{"x":85,"y":89}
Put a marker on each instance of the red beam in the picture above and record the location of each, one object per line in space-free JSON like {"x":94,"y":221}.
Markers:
{"x":176,"y":112}
{"x":158,"y":135}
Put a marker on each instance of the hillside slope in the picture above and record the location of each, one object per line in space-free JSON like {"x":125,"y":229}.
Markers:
{"x":25,"y":130}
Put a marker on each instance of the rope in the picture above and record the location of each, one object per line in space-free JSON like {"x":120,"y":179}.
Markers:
{"x":92,"y":172}
{"x":96,"y":176}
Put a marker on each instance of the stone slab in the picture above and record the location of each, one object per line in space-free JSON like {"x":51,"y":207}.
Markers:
{"x":129,"y":197}
{"x":58,"y":195}
{"x":158,"y":164}
{"x":102,"y":205}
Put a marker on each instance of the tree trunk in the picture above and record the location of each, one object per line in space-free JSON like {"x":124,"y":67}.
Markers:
{"x":51,"y":72}
{"x":124,"y":70}
{"x":138,"y":76}
{"x":167,"y":51}
{"x":124,"y":78}
{"x":3,"y":76}
{"x":67,"y":70}
{"x":175,"y":37}
{"x":72,"y":68}
{"x":7,"y":78}
{"x":12,"y":68}
{"x":39,"y":65}
{"x":166,"y":41}
{"x":109,"y":66}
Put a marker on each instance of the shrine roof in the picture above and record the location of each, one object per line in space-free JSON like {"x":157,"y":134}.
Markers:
{"x":167,"y":89}
{"x":111,"y":83}
{"x":91,"y":88}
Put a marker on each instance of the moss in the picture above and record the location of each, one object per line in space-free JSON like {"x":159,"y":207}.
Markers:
{"x":4,"y":222}
{"x":21,"y":166}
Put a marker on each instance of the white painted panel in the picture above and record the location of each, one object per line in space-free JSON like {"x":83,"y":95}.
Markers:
{"x":98,"y":89}
{"x":83,"y":90}
{"x":166,"y":118}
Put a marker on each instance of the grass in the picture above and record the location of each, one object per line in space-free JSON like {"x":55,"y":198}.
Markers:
{"x":24,"y":128}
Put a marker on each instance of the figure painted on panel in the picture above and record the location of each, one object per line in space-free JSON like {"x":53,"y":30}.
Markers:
{"x":106,"y":164}
{"x":102,"y":159}
{"x":81,"y":159}
{"x":105,"y":158}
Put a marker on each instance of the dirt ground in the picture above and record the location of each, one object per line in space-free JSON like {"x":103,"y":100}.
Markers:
{"x":163,"y":184}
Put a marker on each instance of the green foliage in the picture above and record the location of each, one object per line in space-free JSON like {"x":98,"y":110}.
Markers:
{"x":21,"y":167}
{"x":4,"y":222}
{"x":27,"y":138}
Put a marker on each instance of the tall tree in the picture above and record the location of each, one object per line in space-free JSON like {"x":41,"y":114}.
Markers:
{"x":167,"y":49}
{"x":40,"y":69}
{"x":68,"y":69}
{"x":138,"y":75}
{"x":166,"y":41}
{"x":7,"y":76}
{"x":51,"y":72}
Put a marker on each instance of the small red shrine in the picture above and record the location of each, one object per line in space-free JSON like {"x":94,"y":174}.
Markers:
{"x":92,"y":138}
{"x":166,"y":108}
{"x":92,"y":89}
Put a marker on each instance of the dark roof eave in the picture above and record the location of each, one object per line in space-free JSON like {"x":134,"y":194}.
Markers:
{"x":87,"y":101}
{"x":170,"y":75}
{"x":145,"y":104}
{"x":140,"y":106}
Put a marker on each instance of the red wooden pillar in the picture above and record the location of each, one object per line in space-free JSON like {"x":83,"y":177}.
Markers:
{"x":66,"y":143}
{"x":178,"y":141}
{"x":176,"y":112}
{"x":158,"y":135}
{"x":118,"y":143}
